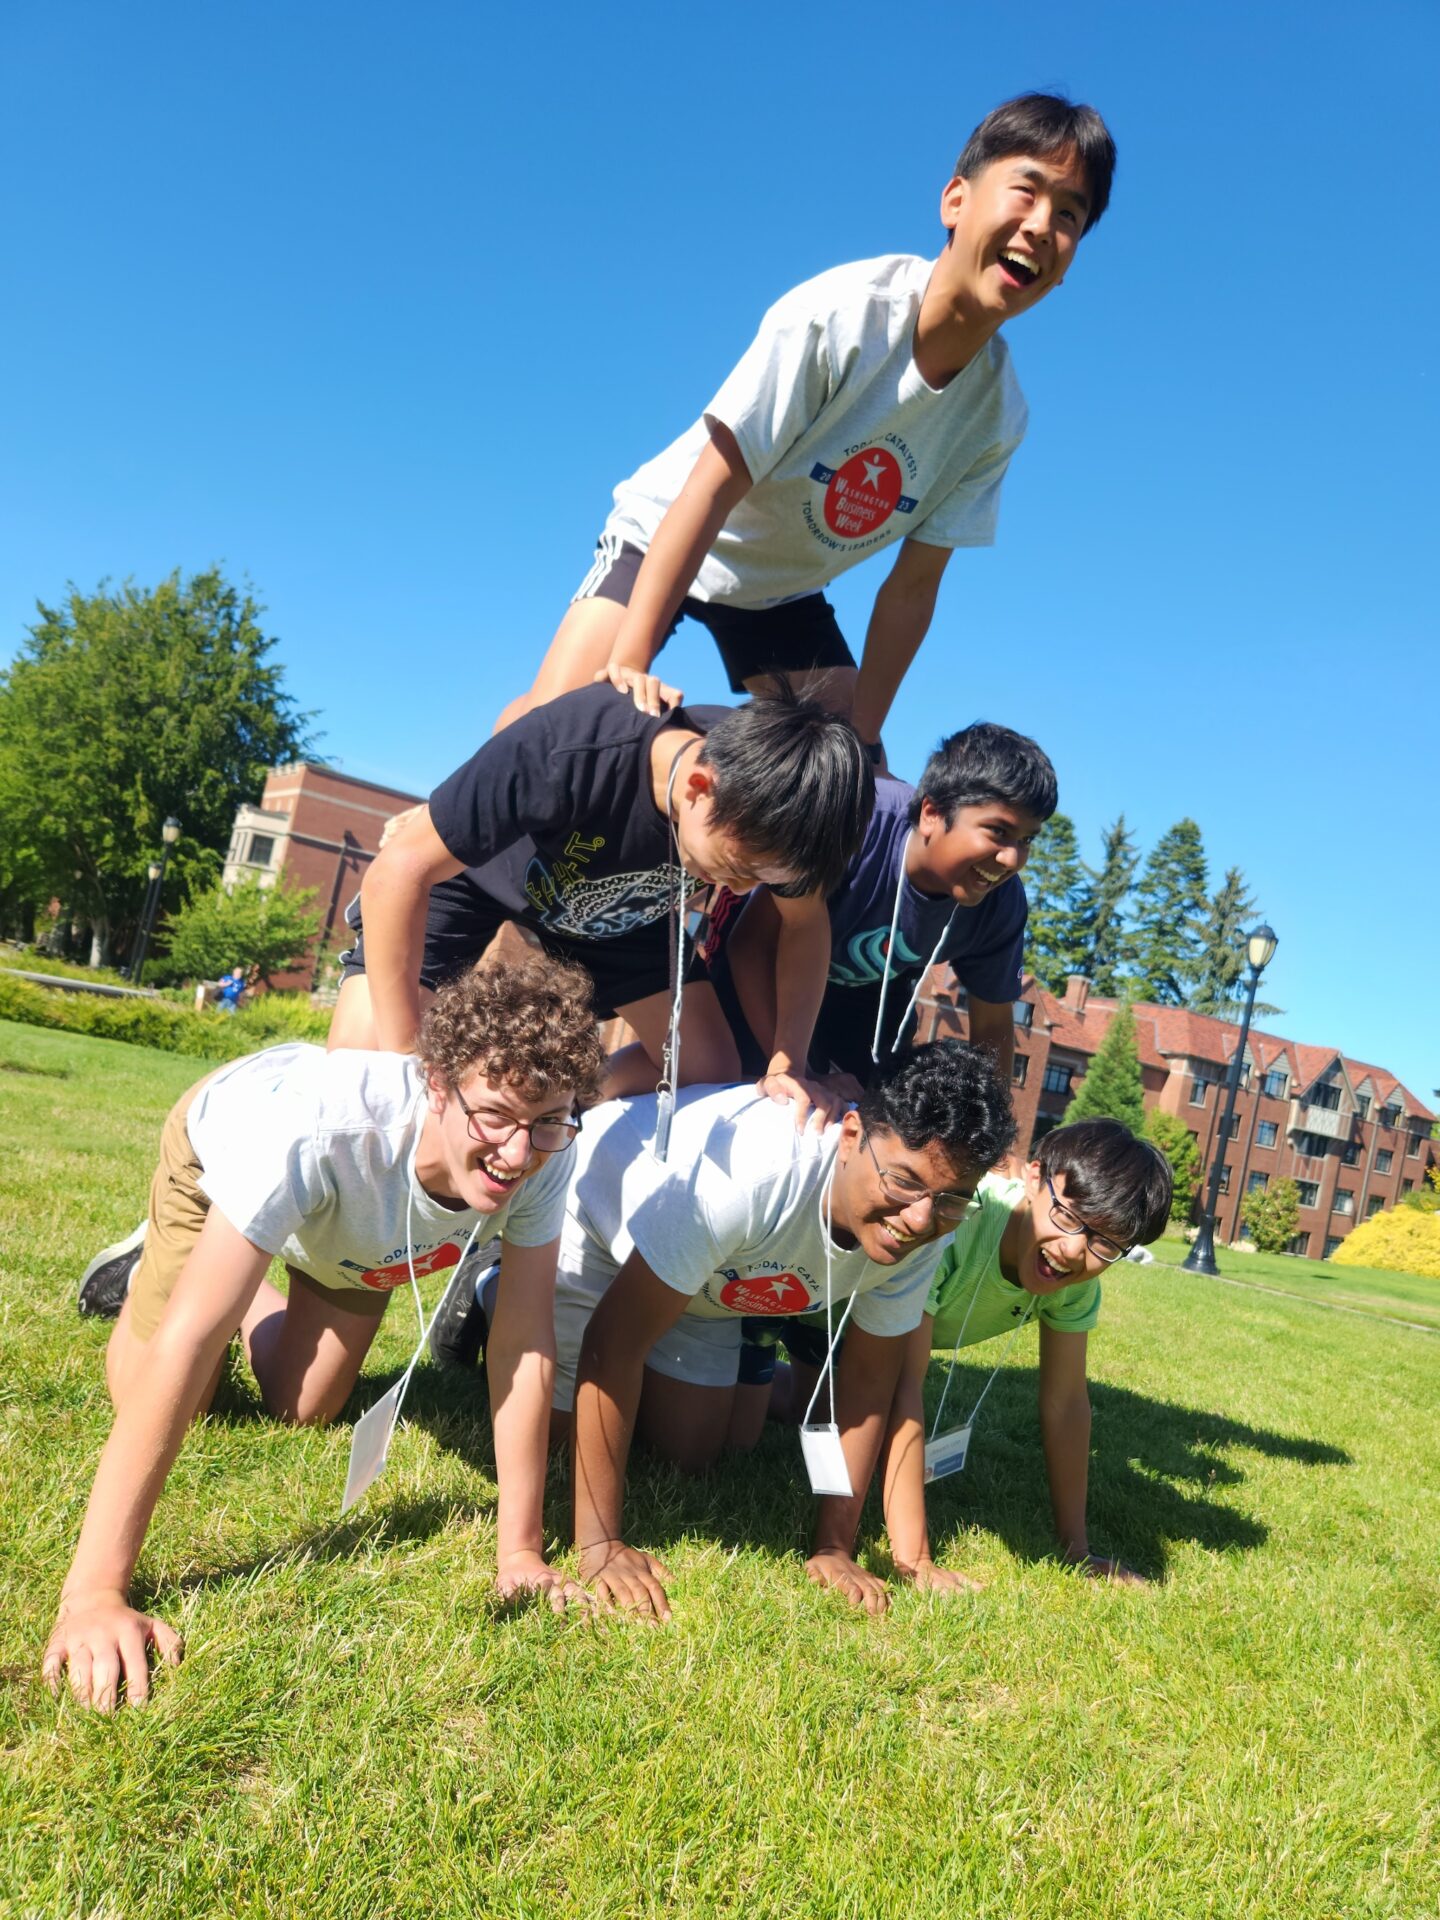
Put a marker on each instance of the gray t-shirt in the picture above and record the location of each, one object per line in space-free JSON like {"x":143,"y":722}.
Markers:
{"x":733,"y":1217}
{"x":311,"y":1155}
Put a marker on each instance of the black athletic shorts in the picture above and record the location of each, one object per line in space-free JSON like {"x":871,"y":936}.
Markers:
{"x":802,"y":1336}
{"x":797,"y":637}
{"x":461,"y":921}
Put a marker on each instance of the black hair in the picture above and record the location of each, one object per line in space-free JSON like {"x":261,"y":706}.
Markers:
{"x":1117,"y":1183}
{"x":948,"y":1094}
{"x":1045,"y":124}
{"x":793,"y":783}
{"x":984,"y":763}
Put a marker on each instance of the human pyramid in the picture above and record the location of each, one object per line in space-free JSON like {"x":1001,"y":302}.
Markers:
{"x":769,"y":1162}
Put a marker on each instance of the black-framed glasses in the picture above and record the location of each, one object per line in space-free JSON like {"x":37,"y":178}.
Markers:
{"x":949,"y":1205}
{"x":492,"y":1128}
{"x":1100,"y":1244}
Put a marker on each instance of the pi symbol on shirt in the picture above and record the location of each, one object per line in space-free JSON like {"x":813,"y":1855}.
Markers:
{"x":863,"y":493}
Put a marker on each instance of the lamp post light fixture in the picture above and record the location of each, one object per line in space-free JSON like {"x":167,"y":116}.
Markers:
{"x":169,"y":834}
{"x":1260,"y":948}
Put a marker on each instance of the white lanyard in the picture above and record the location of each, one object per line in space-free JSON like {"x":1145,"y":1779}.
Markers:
{"x":670,"y":1059}
{"x":889,"y":956}
{"x":945,"y":1453}
{"x":820,"y":1441}
{"x":370,"y":1441}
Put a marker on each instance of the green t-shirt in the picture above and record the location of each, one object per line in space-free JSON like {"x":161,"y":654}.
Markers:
{"x":970,"y":1270}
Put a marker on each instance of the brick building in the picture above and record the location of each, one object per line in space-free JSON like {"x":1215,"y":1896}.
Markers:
{"x":1351,"y":1136}
{"x":320,"y":829}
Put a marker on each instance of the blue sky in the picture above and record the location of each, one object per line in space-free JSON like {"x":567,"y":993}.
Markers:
{"x":374,"y":306}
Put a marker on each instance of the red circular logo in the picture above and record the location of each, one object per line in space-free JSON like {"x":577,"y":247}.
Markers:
{"x":863,"y":494}
{"x":384,"y":1279}
{"x":766,"y":1293}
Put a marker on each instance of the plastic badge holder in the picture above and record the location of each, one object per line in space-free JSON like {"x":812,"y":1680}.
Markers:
{"x":825,"y":1459}
{"x":945,"y":1452}
{"x":370,"y":1443}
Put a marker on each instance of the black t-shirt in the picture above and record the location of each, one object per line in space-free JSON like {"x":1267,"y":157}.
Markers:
{"x":555,"y":818}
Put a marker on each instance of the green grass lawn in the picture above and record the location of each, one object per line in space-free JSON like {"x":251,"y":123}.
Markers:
{"x":360,"y":1730}
{"x":1392,"y":1296}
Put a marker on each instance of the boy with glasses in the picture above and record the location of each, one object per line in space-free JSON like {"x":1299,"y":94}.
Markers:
{"x":361,"y":1171}
{"x":1034,"y":1248}
{"x":661,"y":1266}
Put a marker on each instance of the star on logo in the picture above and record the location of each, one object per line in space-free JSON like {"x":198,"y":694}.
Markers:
{"x":780,"y":1288}
{"x":873,"y":471}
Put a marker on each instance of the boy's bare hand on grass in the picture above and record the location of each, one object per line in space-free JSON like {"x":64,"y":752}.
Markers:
{"x":1095,"y":1566}
{"x":926,"y":1577}
{"x":102,"y":1640}
{"x":528,"y":1572}
{"x":647,"y":690}
{"x":625,"y":1579}
{"x":837,"y":1570}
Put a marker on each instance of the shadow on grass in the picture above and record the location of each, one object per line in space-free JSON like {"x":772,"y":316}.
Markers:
{"x":1156,"y":1469}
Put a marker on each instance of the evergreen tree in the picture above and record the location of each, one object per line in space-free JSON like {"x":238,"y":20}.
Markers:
{"x":1113,"y":1088}
{"x":1101,"y":921}
{"x":1165,"y":940}
{"x":1177,"y":1143}
{"x":1219,"y":984}
{"x":1055,"y":888}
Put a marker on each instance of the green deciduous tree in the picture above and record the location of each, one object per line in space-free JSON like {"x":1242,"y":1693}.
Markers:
{"x":1165,"y":939}
{"x":1102,"y":910}
{"x":1055,"y":888}
{"x":269,"y":928}
{"x":1113,"y":1088}
{"x":124,"y":707}
{"x":1272,"y":1215}
{"x":1179,"y":1147}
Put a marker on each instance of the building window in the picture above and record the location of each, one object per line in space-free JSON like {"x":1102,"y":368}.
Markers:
{"x":1244,"y":1081}
{"x":1344,"y":1201}
{"x":1406,"y":1186}
{"x":1414,"y":1146}
{"x":1352,"y":1152}
{"x":1024,"y":1013}
{"x":1324,"y":1095}
{"x":1384,"y":1160}
{"x":1197,"y":1092}
{"x":1229,"y":1132}
{"x":1373,"y":1205}
{"x":1020,"y":1069}
{"x":262,"y":849}
{"x":1257,"y":1183}
{"x":1362,"y":1105}
{"x":1389,"y":1115}
{"x":1311,"y":1146}
{"x":1267,"y":1133}
{"x":1332,"y":1241}
{"x":1300,"y":1245}
{"x":1274,"y":1085}
{"x":1057,"y":1079}
{"x":1225,"y":1179}
{"x":1309,"y":1192}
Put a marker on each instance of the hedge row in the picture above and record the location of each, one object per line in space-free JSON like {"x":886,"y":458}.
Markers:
{"x":211,"y":1035}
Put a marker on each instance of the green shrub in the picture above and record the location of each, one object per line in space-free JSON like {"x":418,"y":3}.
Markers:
{"x":1272,"y":1215}
{"x":1177,"y":1143}
{"x":157,"y":1023}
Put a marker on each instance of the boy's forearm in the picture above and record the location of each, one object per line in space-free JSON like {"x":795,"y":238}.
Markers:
{"x":802,"y":962}
{"x":898,"y":623}
{"x":1065,"y":1431}
{"x":902,"y":1469}
{"x":607,"y":1397}
{"x":718,"y":482}
{"x":393,"y":904}
{"x":865,"y":1382}
{"x":522,"y":1382}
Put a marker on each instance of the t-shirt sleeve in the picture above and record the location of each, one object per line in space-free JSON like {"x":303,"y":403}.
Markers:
{"x":261,"y":1163}
{"x":537,"y":1213}
{"x":896,"y":1305}
{"x":1073,"y":1309}
{"x":687,"y":1223}
{"x":994,"y":969}
{"x":969,"y":513}
{"x":517,"y":784}
{"x":777,"y":388}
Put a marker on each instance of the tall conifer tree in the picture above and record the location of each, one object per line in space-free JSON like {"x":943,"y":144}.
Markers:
{"x":1219,"y":984}
{"x":1113,"y":1088}
{"x":1055,"y":887}
{"x":1102,"y":911}
{"x":1170,"y":908}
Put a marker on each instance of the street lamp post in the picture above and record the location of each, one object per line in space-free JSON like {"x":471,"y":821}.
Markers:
{"x":1259,"y":951}
{"x":169,"y":834}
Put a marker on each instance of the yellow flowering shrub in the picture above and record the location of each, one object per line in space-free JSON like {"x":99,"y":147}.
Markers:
{"x":1402,"y":1241}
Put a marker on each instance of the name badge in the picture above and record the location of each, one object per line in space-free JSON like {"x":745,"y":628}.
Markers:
{"x":825,"y":1459}
{"x":945,"y":1454}
{"x":664,"y":1114}
{"x":371,"y":1442}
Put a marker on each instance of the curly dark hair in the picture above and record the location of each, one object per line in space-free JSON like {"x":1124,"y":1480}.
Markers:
{"x":527,"y":1022}
{"x":947,"y":1094}
{"x":1112,"y":1180}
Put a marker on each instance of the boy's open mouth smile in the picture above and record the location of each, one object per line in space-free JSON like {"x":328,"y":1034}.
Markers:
{"x":1020,"y":269}
{"x":1052,"y":1276}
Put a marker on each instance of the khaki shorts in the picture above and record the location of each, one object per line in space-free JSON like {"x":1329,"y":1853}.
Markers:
{"x":177,"y":1213}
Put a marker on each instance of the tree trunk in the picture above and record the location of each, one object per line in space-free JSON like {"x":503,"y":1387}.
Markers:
{"x":100,"y":941}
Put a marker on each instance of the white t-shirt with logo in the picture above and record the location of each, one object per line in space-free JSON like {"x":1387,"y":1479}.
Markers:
{"x":848,"y":447}
{"x":732,"y":1219}
{"x":312,"y":1156}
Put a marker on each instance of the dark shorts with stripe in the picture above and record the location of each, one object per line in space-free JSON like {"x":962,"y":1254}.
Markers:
{"x":798,"y":637}
{"x":802,"y":1336}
